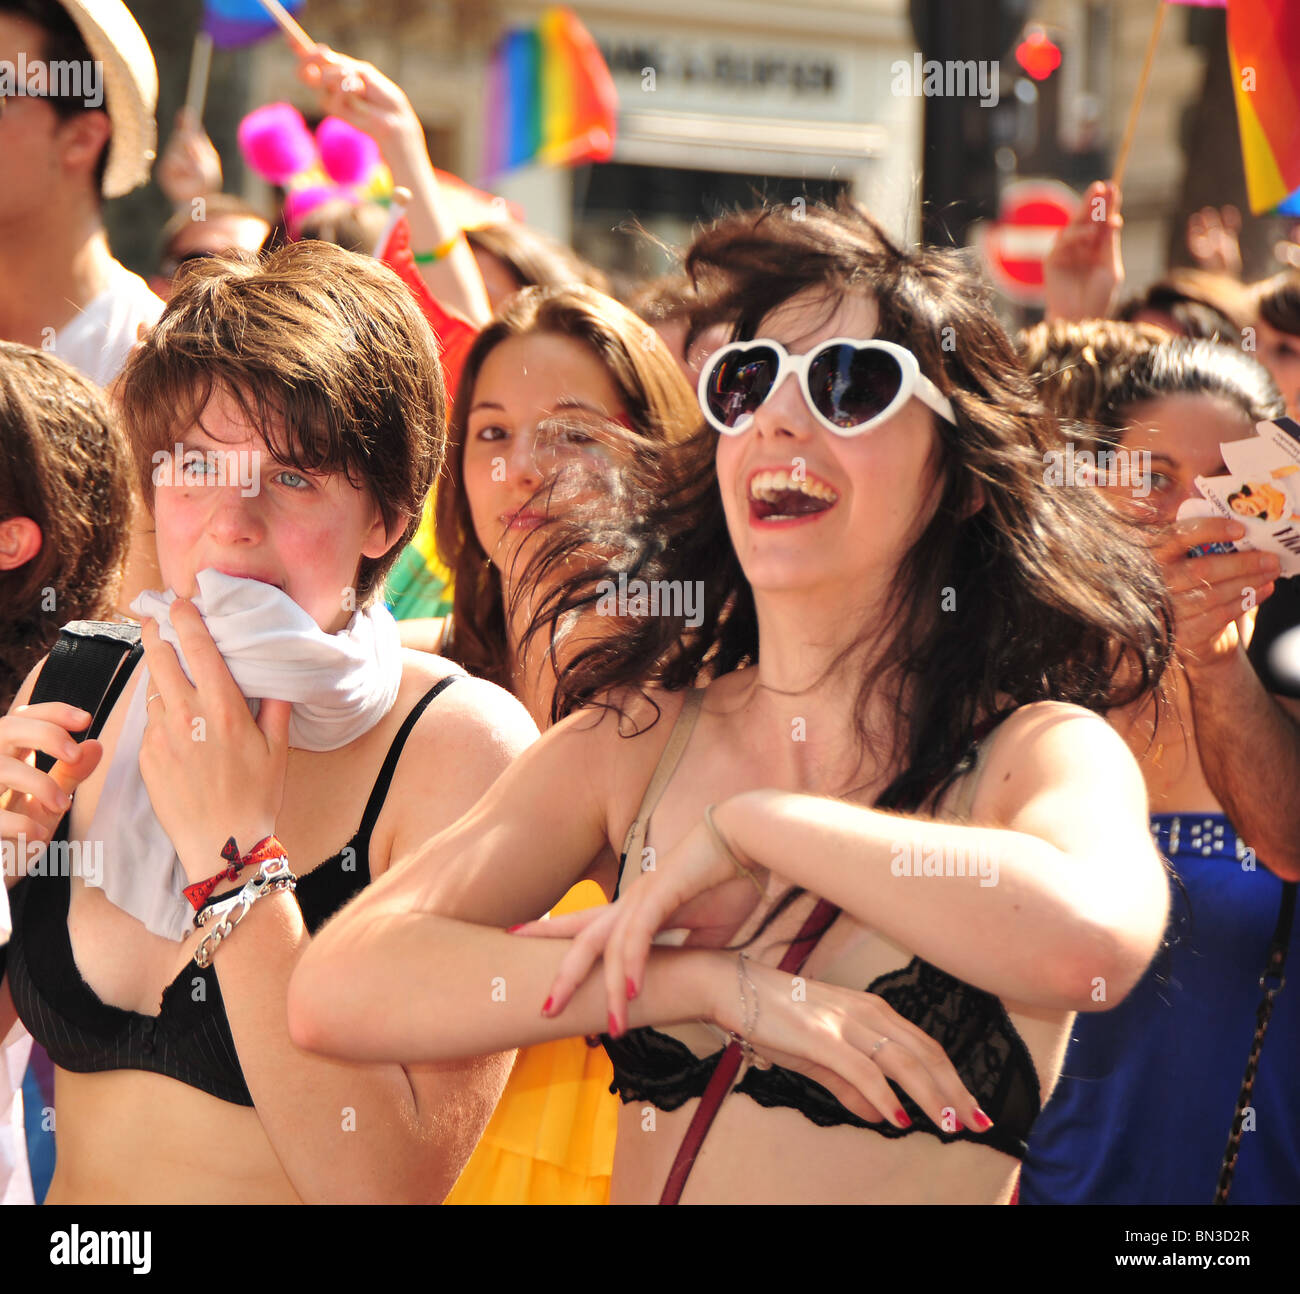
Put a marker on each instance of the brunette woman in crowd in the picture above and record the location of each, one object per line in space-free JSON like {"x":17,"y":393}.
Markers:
{"x":1147,"y":1095}
{"x":870,"y":532}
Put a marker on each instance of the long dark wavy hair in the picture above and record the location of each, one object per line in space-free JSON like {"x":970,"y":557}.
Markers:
{"x":1037,"y":593}
{"x":660,"y":408}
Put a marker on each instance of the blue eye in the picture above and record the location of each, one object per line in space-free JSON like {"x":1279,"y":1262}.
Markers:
{"x":196,"y":468}
{"x":293,"y":480}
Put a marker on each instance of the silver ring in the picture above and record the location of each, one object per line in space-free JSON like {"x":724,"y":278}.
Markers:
{"x":877,"y":1047}
{"x":151,"y":698}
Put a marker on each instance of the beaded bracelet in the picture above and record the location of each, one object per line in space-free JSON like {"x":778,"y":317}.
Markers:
{"x":441,"y":252}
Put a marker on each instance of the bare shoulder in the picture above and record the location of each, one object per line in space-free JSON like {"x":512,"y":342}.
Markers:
{"x":468,"y":713}
{"x":471,"y":730}
{"x":1056,"y":747}
{"x":467,"y":736}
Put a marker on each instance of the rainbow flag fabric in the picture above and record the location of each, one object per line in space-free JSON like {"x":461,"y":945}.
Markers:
{"x":550,"y":97}
{"x":232,"y":23}
{"x":1264,"y":51}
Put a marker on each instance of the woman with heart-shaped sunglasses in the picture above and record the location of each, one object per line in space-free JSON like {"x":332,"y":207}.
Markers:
{"x":871,"y":763}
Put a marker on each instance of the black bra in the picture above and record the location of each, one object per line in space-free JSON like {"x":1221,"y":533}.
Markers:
{"x":972,"y":1026}
{"x":190,"y":1038}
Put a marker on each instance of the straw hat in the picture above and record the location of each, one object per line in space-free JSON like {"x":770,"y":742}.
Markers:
{"x":117,"y":44}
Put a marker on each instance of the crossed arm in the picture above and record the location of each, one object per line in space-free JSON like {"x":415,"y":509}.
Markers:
{"x":1080,"y":896}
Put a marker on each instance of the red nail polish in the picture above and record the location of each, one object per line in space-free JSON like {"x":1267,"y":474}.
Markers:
{"x":900,"y":1116}
{"x":511,"y":929}
{"x":981,"y":1121}
{"x":546,"y":1006}
{"x":613,"y":1025}
{"x":630,"y":988}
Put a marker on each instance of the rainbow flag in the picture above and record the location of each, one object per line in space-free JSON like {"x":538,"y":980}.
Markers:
{"x":550,"y":97}
{"x":232,"y":23}
{"x":1264,"y":50}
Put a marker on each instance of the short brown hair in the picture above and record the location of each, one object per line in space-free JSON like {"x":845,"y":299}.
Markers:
{"x":329,"y":343}
{"x":1074,"y":365}
{"x":66,"y":465}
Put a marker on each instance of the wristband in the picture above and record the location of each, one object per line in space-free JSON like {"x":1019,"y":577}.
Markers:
{"x":267,"y":847}
{"x":441,"y":252}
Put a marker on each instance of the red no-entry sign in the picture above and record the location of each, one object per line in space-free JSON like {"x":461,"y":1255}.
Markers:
{"x":1014,"y":246}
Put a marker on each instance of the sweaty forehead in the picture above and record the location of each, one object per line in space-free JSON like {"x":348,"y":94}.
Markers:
{"x":818,"y":313}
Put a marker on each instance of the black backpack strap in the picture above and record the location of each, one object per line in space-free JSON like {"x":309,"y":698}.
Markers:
{"x":85,"y":669}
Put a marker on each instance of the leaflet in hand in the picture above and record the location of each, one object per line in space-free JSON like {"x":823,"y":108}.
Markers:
{"x":1262,"y":493}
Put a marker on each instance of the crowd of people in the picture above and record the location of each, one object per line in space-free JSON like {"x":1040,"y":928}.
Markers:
{"x":723,"y":736}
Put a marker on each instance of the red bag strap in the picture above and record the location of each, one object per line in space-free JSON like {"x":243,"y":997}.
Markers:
{"x":724,"y":1075}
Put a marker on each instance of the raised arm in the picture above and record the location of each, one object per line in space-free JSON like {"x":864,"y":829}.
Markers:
{"x":1058,"y":902}
{"x":1254,"y":779}
{"x":361,"y":94}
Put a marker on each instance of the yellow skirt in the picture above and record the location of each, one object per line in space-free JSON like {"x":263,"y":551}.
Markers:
{"x":551,"y":1139}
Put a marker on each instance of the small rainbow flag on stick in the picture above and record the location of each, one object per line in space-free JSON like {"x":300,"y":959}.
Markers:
{"x":550,"y":97}
{"x":1264,"y":50}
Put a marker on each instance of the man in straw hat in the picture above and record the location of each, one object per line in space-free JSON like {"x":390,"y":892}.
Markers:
{"x":78,"y":89}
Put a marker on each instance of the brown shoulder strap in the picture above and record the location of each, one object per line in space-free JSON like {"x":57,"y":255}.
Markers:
{"x":724,"y":1075}
{"x":634,"y":841}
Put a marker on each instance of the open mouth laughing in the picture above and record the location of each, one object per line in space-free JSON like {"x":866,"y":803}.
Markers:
{"x":778,"y":495}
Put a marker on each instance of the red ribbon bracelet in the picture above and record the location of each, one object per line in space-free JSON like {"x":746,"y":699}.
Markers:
{"x":266,"y":848}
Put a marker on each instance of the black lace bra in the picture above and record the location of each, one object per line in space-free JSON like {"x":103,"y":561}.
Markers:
{"x":972,"y":1027}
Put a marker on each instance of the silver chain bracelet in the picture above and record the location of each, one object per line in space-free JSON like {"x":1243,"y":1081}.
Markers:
{"x":273,"y":876}
{"x":750,"y":1009}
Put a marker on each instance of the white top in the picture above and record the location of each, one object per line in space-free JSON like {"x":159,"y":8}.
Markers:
{"x":100,"y":338}
{"x":15,"y":1181}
